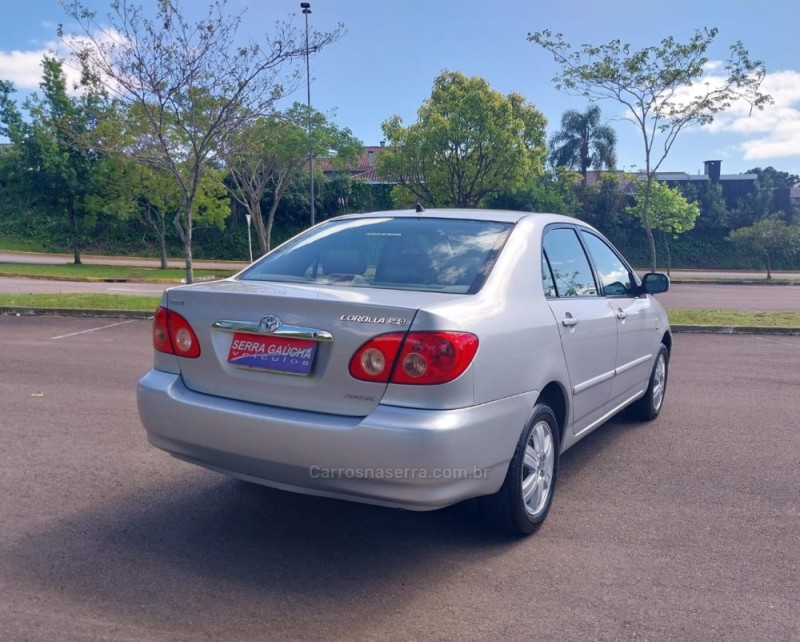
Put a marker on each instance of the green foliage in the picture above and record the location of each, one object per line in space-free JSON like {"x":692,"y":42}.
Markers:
{"x":711,"y":200}
{"x":670,"y":212}
{"x":273,"y":151}
{"x":777,"y":178}
{"x":469,"y":142}
{"x":186,"y":87}
{"x":601,"y":204}
{"x":582,"y":142}
{"x":660,"y":87}
{"x":53,"y":164}
{"x":552,"y":192}
{"x":769,"y":236}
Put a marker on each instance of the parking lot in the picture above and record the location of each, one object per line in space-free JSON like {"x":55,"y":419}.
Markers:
{"x":685,"y":528}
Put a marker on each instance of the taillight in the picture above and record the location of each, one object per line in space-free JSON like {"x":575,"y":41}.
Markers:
{"x":421,"y":358}
{"x":173,"y":334}
{"x":374,"y":360}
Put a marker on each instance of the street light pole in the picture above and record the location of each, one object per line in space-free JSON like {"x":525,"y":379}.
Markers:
{"x":306,"y":7}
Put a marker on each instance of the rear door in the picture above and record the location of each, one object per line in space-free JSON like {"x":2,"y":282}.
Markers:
{"x":586,"y":323}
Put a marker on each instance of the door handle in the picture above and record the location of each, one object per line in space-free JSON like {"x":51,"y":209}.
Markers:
{"x":569,"y":321}
{"x":621,"y":314}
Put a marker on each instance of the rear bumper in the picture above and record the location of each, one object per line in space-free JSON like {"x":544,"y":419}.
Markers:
{"x":399,"y":457}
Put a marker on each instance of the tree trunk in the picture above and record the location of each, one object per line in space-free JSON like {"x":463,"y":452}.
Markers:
{"x":159,"y":224}
{"x":74,"y":236}
{"x":271,"y":218}
{"x":261,"y":233}
{"x":186,"y":238}
{"x":646,"y":222}
{"x":162,"y":242}
{"x":669,"y":255}
{"x":769,"y":266}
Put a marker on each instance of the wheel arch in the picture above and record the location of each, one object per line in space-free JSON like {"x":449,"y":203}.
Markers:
{"x":553,"y":395}
{"x":667,"y":341}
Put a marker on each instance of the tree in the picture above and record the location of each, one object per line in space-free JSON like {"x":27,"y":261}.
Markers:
{"x":469,"y":142}
{"x":54,"y":162}
{"x":771,"y":237}
{"x":583,"y":142}
{"x":552,"y":192}
{"x":192,"y":85}
{"x":779,"y":179}
{"x":659,"y":87}
{"x":714,"y":211}
{"x":773,"y":190}
{"x":272,"y":151}
{"x":668,"y":211}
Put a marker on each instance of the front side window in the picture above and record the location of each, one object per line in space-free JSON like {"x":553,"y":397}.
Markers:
{"x":570,"y":266}
{"x":425,"y":254}
{"x":612,"y":272}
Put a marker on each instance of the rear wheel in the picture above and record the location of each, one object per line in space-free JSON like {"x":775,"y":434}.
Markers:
{"x":648,"y":407}
{"x":522,"y":503}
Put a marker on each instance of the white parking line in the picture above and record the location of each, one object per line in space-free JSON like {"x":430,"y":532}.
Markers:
{"x":102,"y":327}
{"x":780,"y":343}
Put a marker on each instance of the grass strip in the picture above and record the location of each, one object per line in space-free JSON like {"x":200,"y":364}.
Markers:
{"x":103,"y":272}
{"x":688,"y":316}
{"x":81,"y":301}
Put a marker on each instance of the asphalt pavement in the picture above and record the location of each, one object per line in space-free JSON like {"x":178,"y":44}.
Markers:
{"x":686,"y":528}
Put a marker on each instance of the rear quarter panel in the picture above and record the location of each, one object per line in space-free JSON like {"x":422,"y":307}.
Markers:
{"x":520,"y":347}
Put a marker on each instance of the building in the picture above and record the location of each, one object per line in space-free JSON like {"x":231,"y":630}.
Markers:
{"x":363,"y":169}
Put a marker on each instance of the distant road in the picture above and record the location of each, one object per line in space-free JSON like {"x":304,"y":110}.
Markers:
{"x":757,"y":298}
{"x":137,"y":261}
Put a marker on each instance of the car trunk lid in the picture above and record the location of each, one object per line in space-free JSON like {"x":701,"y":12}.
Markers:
{"x":288,"y":345}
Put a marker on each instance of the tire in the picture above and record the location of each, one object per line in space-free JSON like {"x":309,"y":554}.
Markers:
{"x":523,"y":501}
{"x":649,"y":406}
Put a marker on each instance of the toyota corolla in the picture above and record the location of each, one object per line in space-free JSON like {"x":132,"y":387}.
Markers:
{"x":410,"y":359}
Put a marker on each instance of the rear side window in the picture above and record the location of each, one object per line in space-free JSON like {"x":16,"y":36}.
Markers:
{"x":569,"y":264}
{"x":426,"y":254}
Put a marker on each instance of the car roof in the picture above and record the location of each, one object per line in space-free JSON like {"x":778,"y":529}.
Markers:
{"x":501,"y":216}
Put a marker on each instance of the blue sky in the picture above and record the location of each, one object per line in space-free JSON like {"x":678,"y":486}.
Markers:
{"x":392,"y":51}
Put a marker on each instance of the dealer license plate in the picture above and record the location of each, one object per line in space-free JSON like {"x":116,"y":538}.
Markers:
{"x":278,"y":354}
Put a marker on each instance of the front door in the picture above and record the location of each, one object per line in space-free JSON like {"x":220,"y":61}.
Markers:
{"x":586,"y":323}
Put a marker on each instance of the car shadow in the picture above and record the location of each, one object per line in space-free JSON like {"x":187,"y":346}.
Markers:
{"x":139,"y":554}
{"x":227,"y":540}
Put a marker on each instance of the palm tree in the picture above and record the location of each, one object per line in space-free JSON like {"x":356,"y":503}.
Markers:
{"x":583,"y":142}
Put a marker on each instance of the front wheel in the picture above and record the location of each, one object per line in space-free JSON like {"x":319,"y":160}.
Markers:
{"x":522,"y":503}
{"x":648,"y":407}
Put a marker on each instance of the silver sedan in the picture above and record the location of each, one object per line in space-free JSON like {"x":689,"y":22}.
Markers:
{"x":410,"y":359}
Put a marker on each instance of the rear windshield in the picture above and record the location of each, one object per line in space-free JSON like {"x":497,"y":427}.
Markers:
{"x":427,"y":254}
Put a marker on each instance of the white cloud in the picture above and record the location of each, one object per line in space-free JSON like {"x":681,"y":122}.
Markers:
{"x":773,"y":132}
{"x":24,"y":68}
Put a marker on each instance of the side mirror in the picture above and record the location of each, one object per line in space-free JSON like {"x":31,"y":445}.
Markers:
{"x":655,"y":283}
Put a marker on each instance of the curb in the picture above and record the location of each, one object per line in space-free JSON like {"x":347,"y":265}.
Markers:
{"x":73,"y":312}
{"x":727,"y":282}
{"x":137,"y":314}
{"x":734,"y":329}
